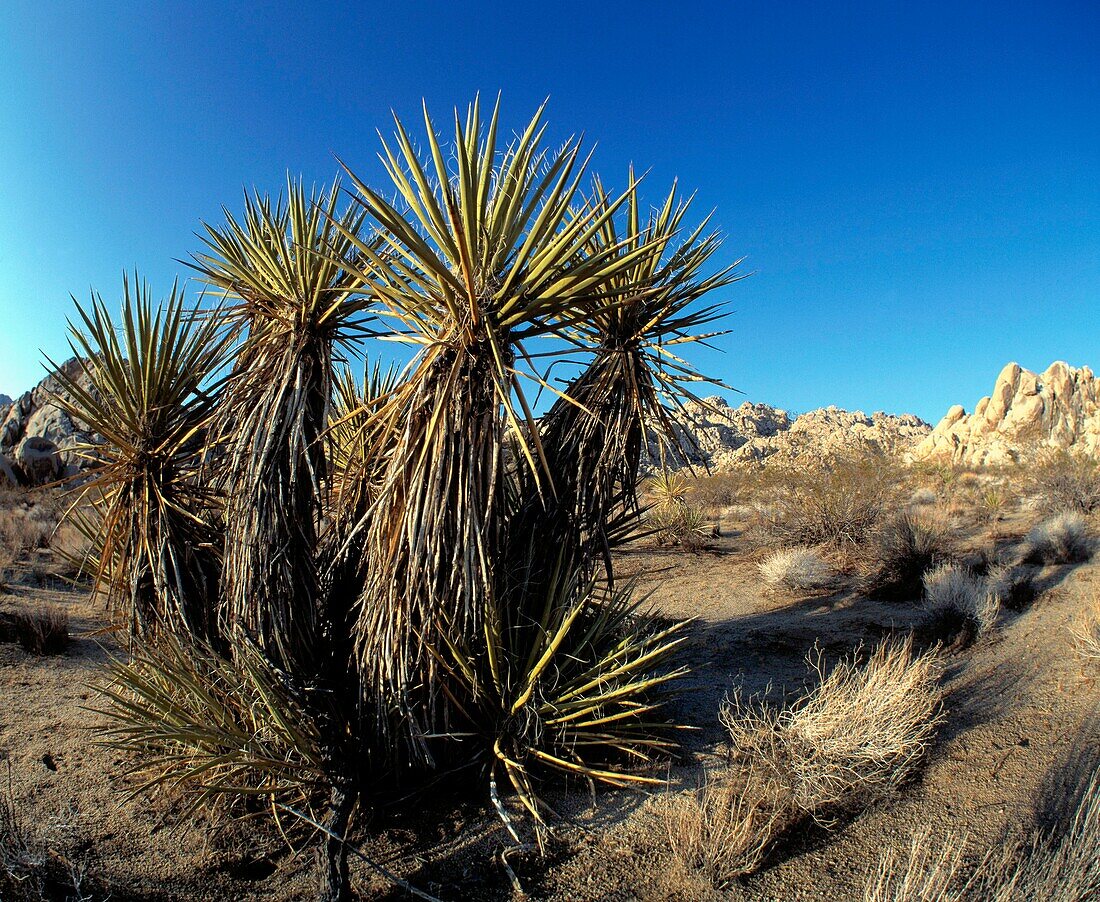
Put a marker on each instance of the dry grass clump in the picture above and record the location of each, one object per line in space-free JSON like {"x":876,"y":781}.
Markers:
{"x":858,"y":734}
{"x":854,"y":737}
{"x":44,"y":632}
{"x":840,"y":504}
{"x":800,"y":569}
{"x":1062,"y":539}
{"x":923,"y":496}
{"x":1086,"y":635}
{"x":927,"y":875}
{"x":1056,"y":867}
{"x":725,"y":829}
{"x":1012,"y":586}
{"x":1062,"y":481}
{"x":902,"y":551}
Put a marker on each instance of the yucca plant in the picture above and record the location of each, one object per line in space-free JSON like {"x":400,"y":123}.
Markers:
{"x":569,"y":683}
{"x":146,"y":384}
{"x":359,"y":444}
{"x":489,"y":250}
{"x":290,"y":276}
{"x":291,"y":290}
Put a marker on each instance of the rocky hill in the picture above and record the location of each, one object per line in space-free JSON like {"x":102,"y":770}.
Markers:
{"x":724,"y":437}
{"x":38,"y":440}
{"x":1026,"y":413}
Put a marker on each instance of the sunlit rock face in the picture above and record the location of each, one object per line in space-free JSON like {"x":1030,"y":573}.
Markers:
{"x":1025,"y":414}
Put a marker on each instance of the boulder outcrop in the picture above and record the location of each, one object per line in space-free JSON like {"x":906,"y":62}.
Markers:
{"x":1026,"y":414}
{"x":38,"y":440}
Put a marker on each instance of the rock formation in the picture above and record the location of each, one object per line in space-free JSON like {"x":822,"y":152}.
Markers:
{"x":724,"y":437}
{"x":38,"y":441}
{"x":1027,"y":413}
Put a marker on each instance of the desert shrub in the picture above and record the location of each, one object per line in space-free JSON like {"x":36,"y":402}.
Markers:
{"x":720,"y":489}
{"x":902,"y":551}
{"x":856,"y":735}
{"x":1064,"y":481}
{"x":1012,"y":586}
{"x":859,"y":733}
{"x":44,"y":632}
{"x":839,"y":504}
{"x":1062,"y":539}
{"x":797,"y":568}
{"x":726,"y":828}
{"x":952,"y":590}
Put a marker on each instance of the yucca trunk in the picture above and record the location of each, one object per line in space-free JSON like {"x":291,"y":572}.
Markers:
{"x":275,"y":468}
{"x":433,"y":538}
{"x":169,"y":575}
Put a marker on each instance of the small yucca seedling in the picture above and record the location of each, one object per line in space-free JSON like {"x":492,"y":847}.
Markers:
{"x":43,"y":632}
{"x":222,"y":730}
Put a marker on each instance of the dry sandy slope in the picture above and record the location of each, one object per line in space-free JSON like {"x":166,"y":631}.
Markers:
{"x":1023,"y":721}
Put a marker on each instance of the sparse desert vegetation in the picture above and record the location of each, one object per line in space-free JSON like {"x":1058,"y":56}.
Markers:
{"x":387,"y":633}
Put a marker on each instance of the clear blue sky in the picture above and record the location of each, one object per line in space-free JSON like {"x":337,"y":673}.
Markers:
{"x":915,"y":185}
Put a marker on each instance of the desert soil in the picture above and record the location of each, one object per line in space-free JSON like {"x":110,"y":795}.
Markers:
{"x":1020,"y":734}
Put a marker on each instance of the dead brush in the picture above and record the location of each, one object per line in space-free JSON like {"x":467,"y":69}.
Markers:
{"x":839,"y":504}
{"x":1063,"y":481}
{"x":854,"y":737}
{"x":44,"y":632}
{"x":1062,"y":539}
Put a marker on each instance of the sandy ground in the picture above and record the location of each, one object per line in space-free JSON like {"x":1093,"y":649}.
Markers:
{"x":1021,"y":731}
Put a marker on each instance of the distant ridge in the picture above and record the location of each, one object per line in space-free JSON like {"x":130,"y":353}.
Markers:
{"x":721,"y":437}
